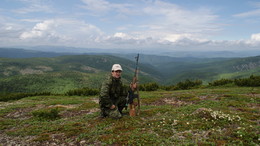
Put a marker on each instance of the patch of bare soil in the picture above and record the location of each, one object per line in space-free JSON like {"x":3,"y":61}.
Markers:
{"x":6,"y":104}
{"x":63,"y":106}
{"x":175,"y":102}
{"x":170,"y":101}
{"x":22,"y":113}
{"x":15,"y":141}
{"x":253,"y":95}
{"x":96,"y":100}
{"x":73,"y":113}
{"x":68,"y":114}
{"x":54,"y":140}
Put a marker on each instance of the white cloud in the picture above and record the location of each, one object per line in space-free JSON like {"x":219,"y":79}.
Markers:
{"x":121,"y":35}
{"x":39,"y":30}
{"x":150,"y":24}
{"x":249,"y":13}
{"x":167,"y":23}
{"x":62,"y":31}
{"x":173,"y":18}
{"x":179,"y":37}
{"x":255,"y":37}
{"x":32,"y":6}
{"x":9,"y":29}
{"x":96,"y":5}
{"x":252,"y":13}
{"x":102,"y":7}
{"x":254,"y":41}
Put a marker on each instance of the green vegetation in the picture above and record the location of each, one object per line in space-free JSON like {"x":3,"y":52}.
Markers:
{"x":186,"y":102}
{"x":209,"y":70}
{"x":83,"y":92}
{"x":56,"y":83}
{"x":149,"y":87}
{"x":252,"y":81}
{"x":49,"y":114}
{"x":220,"y":116}
{"x":17,"y":96}
{"x":58,"y":75}
{"x":221,"y":82}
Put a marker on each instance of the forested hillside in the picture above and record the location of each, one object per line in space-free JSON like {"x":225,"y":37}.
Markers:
{"x":208,"y":70}
{"x":22,"y":53}
{"x":174,"y":70}
{"x":63,"y":73}
{"x":60,"y":74}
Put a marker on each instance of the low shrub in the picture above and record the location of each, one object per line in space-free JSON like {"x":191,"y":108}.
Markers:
{"x":188,"y":84}
{"x":17,"y":96}
{"x":252,"y":81}
{"x":221,"y":82}
{"x":82,"y":92}
{"x":46,"y":114}
{"x":149,"y":87}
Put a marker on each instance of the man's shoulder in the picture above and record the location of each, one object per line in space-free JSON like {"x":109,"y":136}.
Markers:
{"x":108,"y":79}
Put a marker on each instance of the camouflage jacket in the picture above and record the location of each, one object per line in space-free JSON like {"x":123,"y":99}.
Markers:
{"x":112,"y":91}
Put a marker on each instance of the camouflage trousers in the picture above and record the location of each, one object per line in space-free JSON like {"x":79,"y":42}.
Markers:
{"x":115,"y":113}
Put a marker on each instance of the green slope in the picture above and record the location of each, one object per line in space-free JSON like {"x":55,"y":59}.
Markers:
{"x":219,"y":116}
{"x":55,"y":82}
{"x":60,"y":74}
{"x":210,"y":70}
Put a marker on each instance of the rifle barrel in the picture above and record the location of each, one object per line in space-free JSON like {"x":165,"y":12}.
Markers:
{"x":136,"y":80}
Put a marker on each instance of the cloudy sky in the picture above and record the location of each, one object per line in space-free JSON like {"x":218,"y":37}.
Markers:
{"x":125,"y":24}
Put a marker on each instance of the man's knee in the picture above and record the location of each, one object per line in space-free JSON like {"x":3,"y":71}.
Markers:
{"x":115,"y":114}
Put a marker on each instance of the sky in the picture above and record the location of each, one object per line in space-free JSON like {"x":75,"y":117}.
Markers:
{"x":185,"y":25}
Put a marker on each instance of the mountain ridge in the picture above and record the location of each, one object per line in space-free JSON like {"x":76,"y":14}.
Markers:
{"x":52,"y":51}
{"x":88,"y":70}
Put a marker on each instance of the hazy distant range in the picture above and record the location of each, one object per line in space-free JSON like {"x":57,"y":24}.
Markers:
{"x":52,"y":51}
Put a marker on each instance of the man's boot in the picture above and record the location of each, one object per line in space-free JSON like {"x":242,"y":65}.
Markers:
{"x":102,"y":114}
{"x":120,"y":109}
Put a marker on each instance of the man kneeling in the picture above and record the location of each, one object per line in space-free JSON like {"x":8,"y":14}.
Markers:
{"x":113,"y":94}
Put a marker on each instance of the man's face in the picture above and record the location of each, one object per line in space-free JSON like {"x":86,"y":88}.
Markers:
{"x":116,"y":74}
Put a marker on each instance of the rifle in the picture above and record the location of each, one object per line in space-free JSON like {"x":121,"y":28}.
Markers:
{"x":132,"y":96}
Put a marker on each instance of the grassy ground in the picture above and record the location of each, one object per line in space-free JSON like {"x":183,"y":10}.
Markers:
{"x":219,"y":116}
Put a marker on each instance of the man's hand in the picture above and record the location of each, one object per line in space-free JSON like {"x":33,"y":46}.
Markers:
{"x":133,"y":86}
{"x":112,"y":107}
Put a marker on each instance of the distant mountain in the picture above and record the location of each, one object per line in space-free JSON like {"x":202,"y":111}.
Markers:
{"x":52,"y":51}
{"x":210,"y":70}
{"x":154,"y":51}
{"x":176,"y":69}
{"x":21,"y":73}
{"x":22,"y":53}
{"x":212,"y":54}
{"x":157,"y":60}
{"x":59,"y":74}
